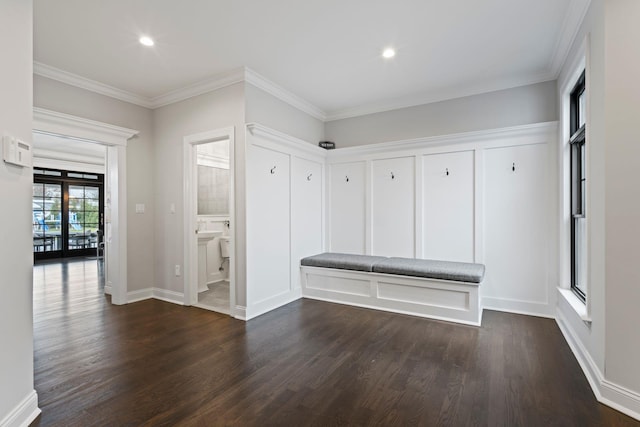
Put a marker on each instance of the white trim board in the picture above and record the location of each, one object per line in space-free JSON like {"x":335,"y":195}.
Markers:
{"x":525,"y":134}
{"x":115,"y":138}
{"x":24,"y":413}
{"x":190,"y":242}
{"x":294,"y":146}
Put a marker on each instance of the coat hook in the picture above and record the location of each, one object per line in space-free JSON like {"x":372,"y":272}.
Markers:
{"x":347,"y":178}
{"x":273,"y":170}
{"x":513,"y":167}
{"x":447,"y":172}
{"x":393,"y":176}
{"x":309,"y":177}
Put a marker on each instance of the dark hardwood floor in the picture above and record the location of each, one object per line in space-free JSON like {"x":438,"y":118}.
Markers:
{"x":309,"y":363}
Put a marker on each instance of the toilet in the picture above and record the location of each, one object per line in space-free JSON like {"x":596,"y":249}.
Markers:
{"x":224,"y":247}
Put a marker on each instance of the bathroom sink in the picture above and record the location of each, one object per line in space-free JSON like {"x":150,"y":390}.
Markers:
{"x":208,"y":235}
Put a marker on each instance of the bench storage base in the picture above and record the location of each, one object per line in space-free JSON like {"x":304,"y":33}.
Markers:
{"x":432,"y":298}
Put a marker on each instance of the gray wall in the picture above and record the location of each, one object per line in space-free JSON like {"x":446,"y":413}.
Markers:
{"x":622,"y":197}
{"x":56,"y":96}
{"x":268,"y":110}
{"x":214,"y":110}
{"x":510,"y":107}
{"x":16,"y":272}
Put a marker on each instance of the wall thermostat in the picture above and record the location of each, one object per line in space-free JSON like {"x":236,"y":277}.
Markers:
{"x":16,"y":151}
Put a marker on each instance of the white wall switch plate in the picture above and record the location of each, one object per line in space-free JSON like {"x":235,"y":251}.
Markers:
{"x":139,"y":208}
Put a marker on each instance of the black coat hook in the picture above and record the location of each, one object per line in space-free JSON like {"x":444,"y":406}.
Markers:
{"x":273,"y":170}
{"x":513,"y":167}
{"x":393,"y":176}
{"x":309,"y":177}
{"x":447,"y":171}
{"x":347,"y":178}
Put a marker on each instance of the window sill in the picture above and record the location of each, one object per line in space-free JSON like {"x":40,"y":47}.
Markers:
{"x":576,"y":303}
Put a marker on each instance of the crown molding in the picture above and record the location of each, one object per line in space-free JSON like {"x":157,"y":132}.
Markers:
{"x":436,"y":96}
{"x":573,"y":18}
{"x":52,"y":122}
{"x":199,"y":88}
{"x":282,"y":94}
{"x":71,"y":79}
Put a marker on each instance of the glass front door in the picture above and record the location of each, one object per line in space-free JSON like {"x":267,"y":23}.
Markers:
{"x":67,"y":214}
{"x":47,"y":214}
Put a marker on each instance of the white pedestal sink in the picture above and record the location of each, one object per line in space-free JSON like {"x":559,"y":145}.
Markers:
{"x":204,"y":237}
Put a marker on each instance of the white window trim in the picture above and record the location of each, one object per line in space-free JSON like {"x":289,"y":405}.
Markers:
{"x":580,"y":62}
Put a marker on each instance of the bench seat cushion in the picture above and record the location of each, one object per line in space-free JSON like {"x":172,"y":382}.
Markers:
{"x":444,"y":270}
{"x":342,"y":261}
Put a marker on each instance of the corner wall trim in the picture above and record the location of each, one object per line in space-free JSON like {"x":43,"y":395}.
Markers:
{"x":24,"y":413}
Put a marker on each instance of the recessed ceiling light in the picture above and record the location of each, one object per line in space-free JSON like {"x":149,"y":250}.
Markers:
{"x":388,"y":53}
{"x":146,"y":40}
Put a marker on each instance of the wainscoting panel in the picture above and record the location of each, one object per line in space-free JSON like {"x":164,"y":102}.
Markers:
{"x":347,"y":207}
{"x":393,"y":207}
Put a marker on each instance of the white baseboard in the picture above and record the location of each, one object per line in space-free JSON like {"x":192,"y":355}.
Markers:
{"x":518,"y":307}
{"x":168,"y":296}
{"x":620,"y":398}
{"x":24,"y":413}
{"x":241,"y":312}
{"x":269,"y":304}
{"x":155,"y":293}
{"x":140,"y":295}
{"x":589,"y":367}
{"x":108,"y":288}
{"x":606,"y":392}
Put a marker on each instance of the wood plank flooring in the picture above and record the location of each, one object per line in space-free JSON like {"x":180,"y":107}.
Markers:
{"x":154,"y":363}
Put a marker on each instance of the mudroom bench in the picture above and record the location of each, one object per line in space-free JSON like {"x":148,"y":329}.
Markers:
{"x":435,"y":289}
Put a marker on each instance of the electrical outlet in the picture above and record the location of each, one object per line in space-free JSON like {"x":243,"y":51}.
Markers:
{"x":177,"y":270}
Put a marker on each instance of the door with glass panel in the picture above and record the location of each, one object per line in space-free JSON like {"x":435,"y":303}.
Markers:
{"x":47,"y":219}
{"x":67,"y":213}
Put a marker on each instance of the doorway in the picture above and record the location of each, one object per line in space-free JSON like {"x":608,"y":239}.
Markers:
{"x":114,"y":139}
{"x":209,"y":221}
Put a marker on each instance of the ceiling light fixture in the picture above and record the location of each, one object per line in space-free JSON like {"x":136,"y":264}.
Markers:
{"x":146,"y":41}
{"x":388,"y":53}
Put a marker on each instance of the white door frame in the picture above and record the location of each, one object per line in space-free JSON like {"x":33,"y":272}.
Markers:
{"x":191,"y":210}
{"x":114,"y":138}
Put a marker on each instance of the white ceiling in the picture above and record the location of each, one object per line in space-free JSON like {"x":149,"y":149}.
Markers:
{"x":326,"y":52}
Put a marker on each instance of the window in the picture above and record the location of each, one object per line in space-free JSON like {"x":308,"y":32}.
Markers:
{"x":577,"y":142}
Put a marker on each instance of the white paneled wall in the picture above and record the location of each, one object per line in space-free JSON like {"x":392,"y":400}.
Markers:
{"x":285,"y":193}
{"x":516,"y":217}
{"x":347,"y":212}
{"x":393,"y":207}
{"x":454,"y":198}
{"x":306,"y":212}
{"x":448,"y":206}
{"x":267,"y":225}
